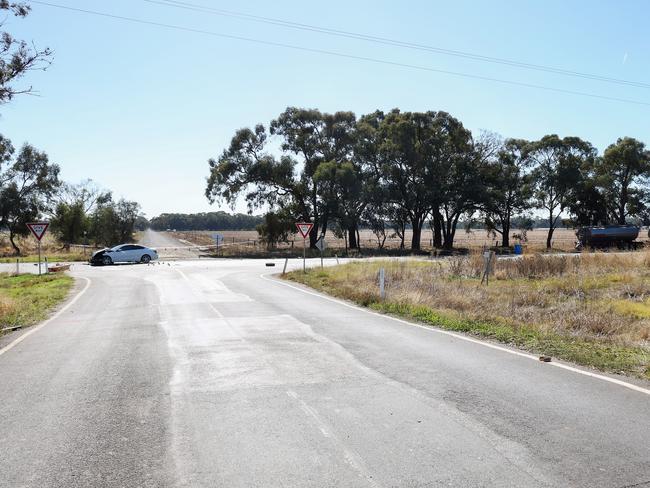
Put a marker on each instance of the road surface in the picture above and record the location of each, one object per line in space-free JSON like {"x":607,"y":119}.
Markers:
{"x":208,"y":374}
{"x":168,"y":247}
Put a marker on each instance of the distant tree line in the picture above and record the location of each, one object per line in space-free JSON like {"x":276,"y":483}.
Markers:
{"x":205,"y":221}
{"x":397,"y":170}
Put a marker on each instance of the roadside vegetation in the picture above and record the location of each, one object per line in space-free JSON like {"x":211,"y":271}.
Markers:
{"x":28,"y":299}
{"x":593,"y":310}
{"x":52,"y":248}
{"x":423,"y":171}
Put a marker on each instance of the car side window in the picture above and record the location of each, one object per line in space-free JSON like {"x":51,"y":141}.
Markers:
{"x":129,"y":248}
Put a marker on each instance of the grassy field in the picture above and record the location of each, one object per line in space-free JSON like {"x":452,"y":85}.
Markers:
{"x":593,"y":310}
{"x":28,"y":299}
{"x":246,"y":242}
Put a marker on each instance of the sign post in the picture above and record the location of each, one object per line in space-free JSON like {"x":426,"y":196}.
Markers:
{"x":38,"y":229}
{"x":304,"y":228}
{"x":218,"y":240}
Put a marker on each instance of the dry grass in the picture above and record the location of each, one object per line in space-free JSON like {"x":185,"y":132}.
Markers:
{"x":28,"y":299}
{"x":50,"y":248}
{"x":591,"y":309}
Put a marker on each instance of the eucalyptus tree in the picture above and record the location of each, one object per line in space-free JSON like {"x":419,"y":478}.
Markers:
{"x":557,"y":172}
{"x":454,"y":161}
{"x":508,"y":184}
{"x":314,"y":138}
{"x":403,"y":166}
{"x":246,"y":167}
{"x":623,"y":173}
{"x":28,"y":185}
{"x":344,"y":191}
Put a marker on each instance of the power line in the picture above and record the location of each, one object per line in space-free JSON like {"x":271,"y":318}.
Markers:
{"x":339,"y":54}
{"x":395,"y":42}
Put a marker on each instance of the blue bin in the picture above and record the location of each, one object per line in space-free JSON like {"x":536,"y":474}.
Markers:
{"x":518,"y":249}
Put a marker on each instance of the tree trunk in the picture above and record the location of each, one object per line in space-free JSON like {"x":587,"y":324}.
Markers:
{"x":416,"y":222}
{"x":437,"y":229}
{"x":448,"y":242}
{"x":451,"y":233}
{"x":13,"y":244}
{"x":505,"y":236}
{"x":352,"y":233}
{"x":313,"y":235}
{"x":551,"y":228}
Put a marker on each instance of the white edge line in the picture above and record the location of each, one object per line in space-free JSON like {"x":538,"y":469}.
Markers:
{"x":36,"y":328}
{"x":462,"y":337}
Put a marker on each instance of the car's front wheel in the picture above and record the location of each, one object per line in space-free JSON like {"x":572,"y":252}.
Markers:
{"x":145,"y":259}
{"x":107,"y":261}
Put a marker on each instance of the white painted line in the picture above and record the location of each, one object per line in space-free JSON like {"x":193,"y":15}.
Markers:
{"x":33,"y":330}
{"x":463,"y":337}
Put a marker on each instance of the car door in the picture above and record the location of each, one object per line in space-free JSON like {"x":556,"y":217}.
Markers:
{"x":136,"y":253}
{"x":122,"y":254}
{"x":130,"y":253}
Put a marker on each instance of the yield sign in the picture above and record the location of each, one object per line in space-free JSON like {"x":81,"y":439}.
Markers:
{"x":304,"y":228}
{"x":38,"y":229}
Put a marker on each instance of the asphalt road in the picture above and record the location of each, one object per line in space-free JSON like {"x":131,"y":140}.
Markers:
{"x":167,"y":246}
{"x":207,"y":374}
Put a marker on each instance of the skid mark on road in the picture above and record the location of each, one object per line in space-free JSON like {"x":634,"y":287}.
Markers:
{"x":351,"y":458}
{"x":280,"y":376}
{"x":288,"y":352}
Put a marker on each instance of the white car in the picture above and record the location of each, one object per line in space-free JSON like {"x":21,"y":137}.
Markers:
{"x":129,"y":253}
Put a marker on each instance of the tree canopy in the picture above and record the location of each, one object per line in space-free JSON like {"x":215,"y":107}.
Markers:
{"x":398,"y":170}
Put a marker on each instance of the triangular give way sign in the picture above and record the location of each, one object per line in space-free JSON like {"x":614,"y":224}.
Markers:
{"x":38,"y":229}
{"x":304,"y":228}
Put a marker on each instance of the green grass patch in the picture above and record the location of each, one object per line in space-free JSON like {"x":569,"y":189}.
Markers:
{"x":28,"y":299}
{"x":599,"y":353}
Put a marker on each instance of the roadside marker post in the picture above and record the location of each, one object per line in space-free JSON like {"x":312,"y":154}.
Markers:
{"x":286,"y":261}
{"x":382,"y":283}
{"x":38,"y":229}
{"x":304,"y":228}
{"x":321,"y":245}
{"x":488,"y":257}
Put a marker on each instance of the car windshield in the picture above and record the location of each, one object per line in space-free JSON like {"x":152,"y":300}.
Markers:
{"x":115,"y":248}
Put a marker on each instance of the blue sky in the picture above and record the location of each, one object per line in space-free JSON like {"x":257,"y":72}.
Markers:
{"x":140,"y":109}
